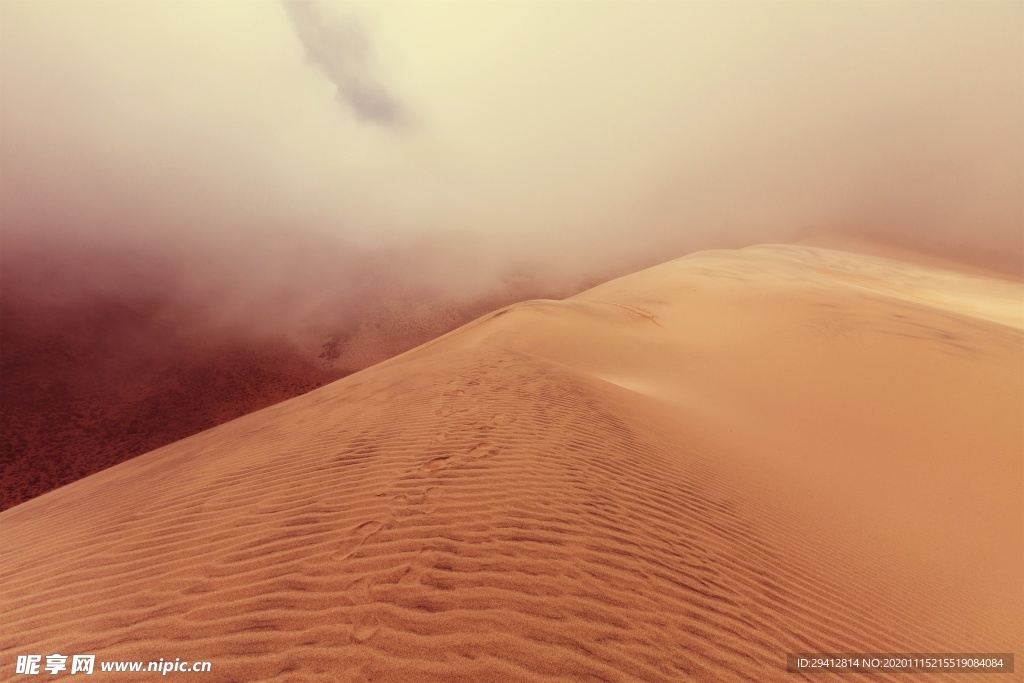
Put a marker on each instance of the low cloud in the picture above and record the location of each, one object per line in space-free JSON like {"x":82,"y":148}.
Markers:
{"x":340,"y":49}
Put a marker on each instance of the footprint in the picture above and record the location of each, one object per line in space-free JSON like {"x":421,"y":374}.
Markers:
{"x":346,"y":548}
{"x":417,"y":568}
{"x":365,"y":626}
{"x":358,"y":592}
{"x":447,"y":411}
{"x":369,"y":528}
{"x":418,"y":497}
{"x":484,"y":450}
{"x":355,"y":539}
{"x":412,"y":575}
{"x":415,"y":502}
{"x":435,"y":464}
{"x":425,"y":500}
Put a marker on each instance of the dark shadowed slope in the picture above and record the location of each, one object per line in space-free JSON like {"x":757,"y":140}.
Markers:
{"x":107,"y":353}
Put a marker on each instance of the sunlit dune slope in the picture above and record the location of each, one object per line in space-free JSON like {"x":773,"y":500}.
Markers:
{"x":682,"y":474}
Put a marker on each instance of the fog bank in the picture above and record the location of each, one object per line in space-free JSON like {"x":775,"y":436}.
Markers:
{"x":569,"y":135}
{"x":221,"y":204}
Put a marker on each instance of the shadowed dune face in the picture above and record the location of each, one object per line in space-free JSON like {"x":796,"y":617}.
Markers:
{"x":681,"y":474}
{"x":107,"y":352}
{"x":93,"y":382}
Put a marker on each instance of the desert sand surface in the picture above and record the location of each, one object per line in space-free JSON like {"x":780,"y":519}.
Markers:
{"x":682,"y":474}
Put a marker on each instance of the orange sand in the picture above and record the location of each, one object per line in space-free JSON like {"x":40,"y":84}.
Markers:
{"x":682,"y":474}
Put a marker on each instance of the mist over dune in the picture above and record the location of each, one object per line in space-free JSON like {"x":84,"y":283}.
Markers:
{"x":111,"y":352}
{"x":332,"y":183}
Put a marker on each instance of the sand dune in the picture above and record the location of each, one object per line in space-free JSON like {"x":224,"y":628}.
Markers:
{"x":682,"y":474}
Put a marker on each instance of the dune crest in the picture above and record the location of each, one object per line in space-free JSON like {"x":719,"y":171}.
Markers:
{"x":682,"y":474}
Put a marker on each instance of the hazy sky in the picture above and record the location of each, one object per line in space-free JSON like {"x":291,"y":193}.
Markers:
{"x":568,"y":132}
